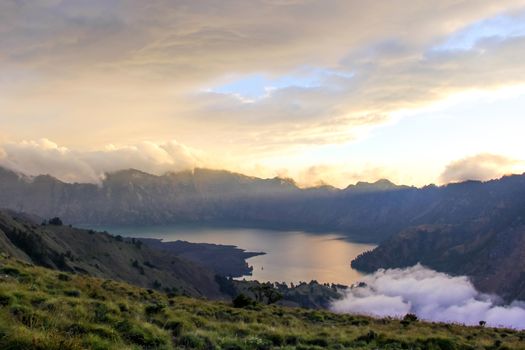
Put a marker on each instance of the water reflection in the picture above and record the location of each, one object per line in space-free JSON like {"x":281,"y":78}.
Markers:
{"x":292,"y":256}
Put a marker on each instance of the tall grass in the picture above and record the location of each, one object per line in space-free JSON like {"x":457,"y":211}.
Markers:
{"x":45,"y":309}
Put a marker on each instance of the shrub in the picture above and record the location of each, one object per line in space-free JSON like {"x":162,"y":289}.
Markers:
{"x":141,"y":335}
{"x":10,"y":271}
{"x":102,"y":312}
{"x":258,"y":343}
{"x":5,"y":299}
{"x":63,"y":277}
{"x":72,"y":293}
{"x":315,"y":316}
{"x":191,"y":341}
{"x":242,"y":301}
{"x":136,"y":265}
{"x":275,"y":338}
{"x":23,"y":313}
{"x":368,"y":337}
{"x":175,"y":326}
{"x":154,"y":308}
{"x":410,"y":317}
{"x":440,"y":343}
{"x":56,"y":221}
{"x":75,"y":329}
{"x":123,"y":307}
{"x":322,"y":342}
{"x":148,"y":264}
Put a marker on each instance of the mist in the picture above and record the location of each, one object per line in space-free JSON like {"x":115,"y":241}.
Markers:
{"x":46,"y":157}
{"x":431,"y":295}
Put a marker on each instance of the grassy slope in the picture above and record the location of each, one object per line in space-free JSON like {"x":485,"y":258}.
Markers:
{"x":102,"y":255}
{"x":46,"y":309}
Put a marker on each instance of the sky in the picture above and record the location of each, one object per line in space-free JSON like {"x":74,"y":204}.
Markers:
{"x":332,"y":91}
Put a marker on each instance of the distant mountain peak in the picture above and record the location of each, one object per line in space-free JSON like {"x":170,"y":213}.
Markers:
{"x":130,"y":172}
{"x":384,"y":182}
{"x":379,"y":185}
{"x":285,"y":181}
{"x":381,"y":182}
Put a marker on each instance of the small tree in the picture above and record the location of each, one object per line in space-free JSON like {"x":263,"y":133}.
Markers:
{"x":266,"y":291}
{"x":408,"y":319}
{"x":242,"y":301}
{"x":55,"y":221}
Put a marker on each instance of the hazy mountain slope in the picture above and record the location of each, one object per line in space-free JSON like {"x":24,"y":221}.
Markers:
{"x":493,"y":258}
{"x":371,"y":212}
{"x":103,"y":255}
{"x":474,"y":229}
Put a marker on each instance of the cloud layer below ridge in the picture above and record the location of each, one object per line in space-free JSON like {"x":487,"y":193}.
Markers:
{"x":431,"y":295}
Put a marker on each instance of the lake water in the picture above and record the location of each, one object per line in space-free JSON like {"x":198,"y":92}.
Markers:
{"x":291,"y":256}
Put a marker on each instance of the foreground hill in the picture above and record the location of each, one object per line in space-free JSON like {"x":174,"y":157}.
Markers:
{"x":368,"y":212}
{"x":100,"y":254}
{"x":45,"y":309}
{"x":178,"y":268}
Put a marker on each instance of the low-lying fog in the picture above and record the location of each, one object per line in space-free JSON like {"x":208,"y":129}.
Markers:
{"x":432,"y":296}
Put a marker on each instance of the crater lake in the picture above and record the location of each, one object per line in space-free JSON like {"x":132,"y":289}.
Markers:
{"x":290,"y":256}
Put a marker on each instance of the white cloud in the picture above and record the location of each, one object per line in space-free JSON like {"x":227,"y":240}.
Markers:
{"x":46,"y":157}
{"x":431,"y":295}
{"x":104,"y":65}
{"x":89,"y":73}
{"x":481,"y":167}
{"x":341,"y":175}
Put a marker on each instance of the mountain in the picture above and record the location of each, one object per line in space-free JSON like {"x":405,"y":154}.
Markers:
{"x":45,"y":309}
{"x":366,"y":211}
{"x":102,"y":255}
{"x":493,"y":258}
{"x":472,"y":228}
{"x":479,"y":232}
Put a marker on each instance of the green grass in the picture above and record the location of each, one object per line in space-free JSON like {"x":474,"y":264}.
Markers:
{"x":45,"y":309}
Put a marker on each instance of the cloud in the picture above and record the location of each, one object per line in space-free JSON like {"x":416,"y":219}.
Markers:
{"x":431,"y":295}
{"x":37,"y":157}
{"x":89,"y":73}
{"x":46,"y":157}
{"x":110,"y":65}
{"x":481,"y":167}
{"x":341,"y":175}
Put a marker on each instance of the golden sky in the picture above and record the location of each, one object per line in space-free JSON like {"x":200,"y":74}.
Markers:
{"x":322,"y":91}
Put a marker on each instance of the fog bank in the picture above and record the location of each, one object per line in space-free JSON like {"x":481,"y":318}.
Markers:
{"x":431,"y":295}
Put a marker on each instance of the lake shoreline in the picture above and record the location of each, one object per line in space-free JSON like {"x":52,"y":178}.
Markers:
{"x":260,"y":225}
{"x":225,"y":260}
{"x":291,"y":256}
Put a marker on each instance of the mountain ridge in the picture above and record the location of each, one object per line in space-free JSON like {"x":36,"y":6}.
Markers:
{"x":367,"y":211}
{"x":442,"y":227}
